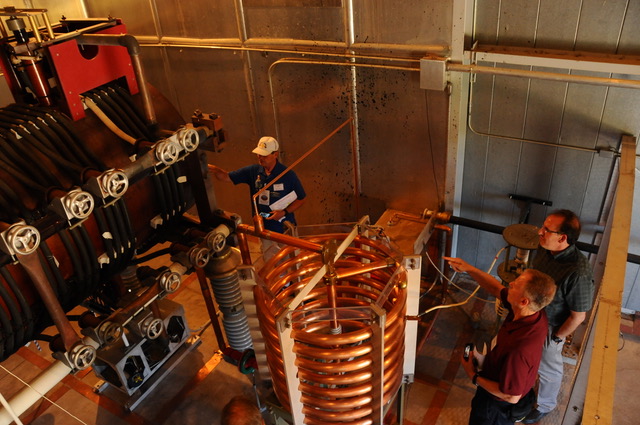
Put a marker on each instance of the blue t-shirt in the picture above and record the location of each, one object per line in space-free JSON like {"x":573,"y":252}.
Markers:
{"x":255,"y":176}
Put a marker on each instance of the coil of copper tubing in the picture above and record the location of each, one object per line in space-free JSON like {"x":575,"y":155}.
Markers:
{"x":335,"y":370}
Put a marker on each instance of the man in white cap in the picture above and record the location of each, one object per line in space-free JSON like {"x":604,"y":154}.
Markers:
{"x":282,"y":198}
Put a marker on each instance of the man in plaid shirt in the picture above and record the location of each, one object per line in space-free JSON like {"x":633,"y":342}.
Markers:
{"x":559,"y":257}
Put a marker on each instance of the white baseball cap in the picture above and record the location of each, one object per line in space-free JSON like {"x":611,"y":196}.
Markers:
{"x":266,"y":146}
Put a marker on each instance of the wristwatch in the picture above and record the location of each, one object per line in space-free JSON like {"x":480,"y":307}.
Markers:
{"x":475,"y":379}
{"x":555,"y":338}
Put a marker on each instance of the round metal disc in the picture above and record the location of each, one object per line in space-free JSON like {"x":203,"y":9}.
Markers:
{"x":523,"y":236}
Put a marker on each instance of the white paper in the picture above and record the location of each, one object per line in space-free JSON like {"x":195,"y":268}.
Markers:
{"x":284,"y":202}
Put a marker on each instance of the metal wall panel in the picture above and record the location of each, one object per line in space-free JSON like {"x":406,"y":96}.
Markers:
{"x":557,"y":24}
{"x":137,"y":15}
{"x":71,"y":9}
{"x":411,"y":22}
{"x":305,"y":23}
{"x":600,"y":25}
{"x":311,"y":100}
{"x":197,"y":19}
{"x":569,"y":114}
{"x":402,"y":154}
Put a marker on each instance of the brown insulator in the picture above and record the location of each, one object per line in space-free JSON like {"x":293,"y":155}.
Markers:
{"x":335,"y":369}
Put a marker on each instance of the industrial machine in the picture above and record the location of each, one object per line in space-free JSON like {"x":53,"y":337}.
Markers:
{"x":98,"y":169}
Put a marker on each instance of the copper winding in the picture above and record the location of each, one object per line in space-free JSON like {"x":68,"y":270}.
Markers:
{"x":335,"y":366}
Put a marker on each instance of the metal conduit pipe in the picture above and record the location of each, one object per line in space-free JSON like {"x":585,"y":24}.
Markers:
{"x":263,"y":45}
{"x":541,"y":75}
{"x":335,"y":370}
{"x":133,"y":48}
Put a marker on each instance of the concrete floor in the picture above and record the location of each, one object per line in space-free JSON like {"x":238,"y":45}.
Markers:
{"x":197,"y":389}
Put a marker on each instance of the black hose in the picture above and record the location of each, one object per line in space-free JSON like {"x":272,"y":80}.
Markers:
{"x":16,"y":201}
{"x":65,"y":127}
{"x":16,"y":317}
{"x":115,"y":107}
{"x":113,"y":116}
{"x":137,"y":113}
{"x":124,"y":212}
{"x":7,"y":335}
{"x":57,"y":282}
{"x":125,"y":101}
{"x":14,"y":152}
{"x":31,"y":155}
{"x":24,"y":306}
{"x":52,"y":130}
{"x":93,"y":258}
{"x":117,"y":240}
{"x":73,"y":255}
{"x":170,"y":182}
{"x":98,"y":213}
{"x":86,"y":262}
{"x":160,"y":194}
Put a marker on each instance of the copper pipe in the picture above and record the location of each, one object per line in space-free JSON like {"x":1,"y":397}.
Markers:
{"x":244,"y":249}
{"x":280,"y":238}
{"x":33,"y":267}
{"x":325,"y":360}
{"x":211,"y":308}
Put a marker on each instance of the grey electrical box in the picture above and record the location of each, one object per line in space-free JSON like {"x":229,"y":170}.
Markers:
{"x":433,"y":74}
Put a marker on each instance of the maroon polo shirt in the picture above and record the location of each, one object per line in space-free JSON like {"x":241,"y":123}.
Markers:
{"x":514,"y":361}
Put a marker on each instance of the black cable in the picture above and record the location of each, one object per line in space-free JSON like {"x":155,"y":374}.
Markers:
{"x":65,"y":127}
{"x":32,"y":157}
{"x":16,"y":317}
{"x":20,"y":177}
{"x":124,"y":212}
{"x":98,"y":213}
{"x":17,"y":202}
{"x":160,"y":194}
{"x":48,"y":126}
{"x":117,"y":241}
{"x":177,"y":187}
{"x":24,"y":306}
{"x":73,"y":255}
{"x":126,"y":103}
{"x":45,"y":146}
{"x":115,"y":107}
{"x":170,"y":182}
{"x":86,"y":283}
{"x":104,"y":107}
{"x":93,"y":258}
{"x":57,"y":280}
{"x":14,"y":151}
{"x":127,"y":99}
{"x":7,"y":333}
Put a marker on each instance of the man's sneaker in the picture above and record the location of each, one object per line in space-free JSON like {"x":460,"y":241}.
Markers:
{"x":534,"y":417}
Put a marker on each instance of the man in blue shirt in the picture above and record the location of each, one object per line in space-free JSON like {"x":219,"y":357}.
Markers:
{"x":282,"y":198}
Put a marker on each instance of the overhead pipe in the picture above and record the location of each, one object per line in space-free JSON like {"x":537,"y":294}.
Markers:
{"x":541,"y":75}
{"x":133,"y":47}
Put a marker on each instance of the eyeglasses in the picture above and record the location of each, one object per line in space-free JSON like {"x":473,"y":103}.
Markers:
{"x":545,"y":229}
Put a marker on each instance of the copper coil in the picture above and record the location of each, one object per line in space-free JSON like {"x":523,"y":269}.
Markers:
{"x":332,"y":329}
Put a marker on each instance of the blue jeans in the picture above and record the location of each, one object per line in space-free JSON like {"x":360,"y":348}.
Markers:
{"x":487,"y":410}
{"x":550,"y":373}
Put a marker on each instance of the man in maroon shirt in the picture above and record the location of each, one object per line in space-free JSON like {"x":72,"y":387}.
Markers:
{"x":509,"y":371}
